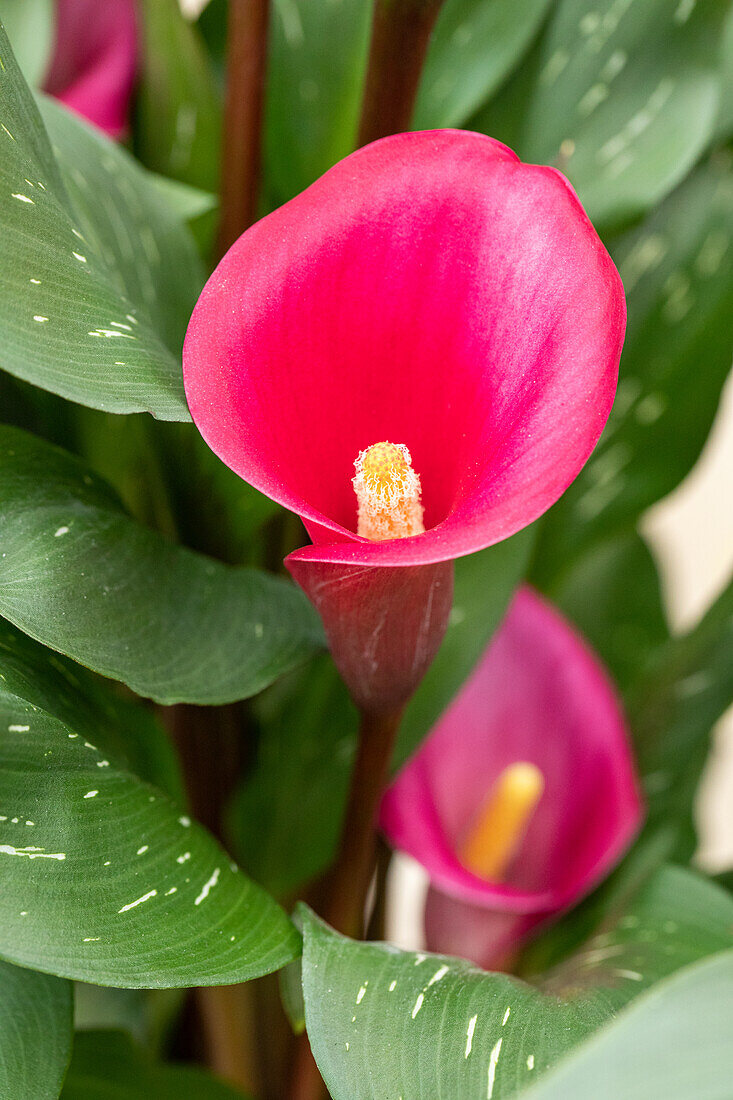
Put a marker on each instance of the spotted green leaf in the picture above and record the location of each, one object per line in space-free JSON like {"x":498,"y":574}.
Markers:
{"x":84,"y":307}
{"x":472,"y":49}
{"x":35,"y":1033}
{"x":671,"y":1044}
{"x":79,"y":575}
{"x":677,"y":269}
{"x":625,"y":98}
{"x":108,"y":1065}
{"x":104,"y":878}
{"x":384,"y":1022}
{"x":129,"y":222}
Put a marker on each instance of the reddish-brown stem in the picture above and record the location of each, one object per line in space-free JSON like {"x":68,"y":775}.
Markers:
{"x":212,"y":750}
{"x":228,"y":1019}
{"x":345,"y":890}
{"x":306,"y":1082}
{"x":400,"y":35}
{"x":348,"y":881}
{"x":242,"y":139}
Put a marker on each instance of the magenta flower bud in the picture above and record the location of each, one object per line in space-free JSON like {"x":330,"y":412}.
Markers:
{"x":92,"y":68}
{"x":525,"y":793}
{"x":443,"y":316}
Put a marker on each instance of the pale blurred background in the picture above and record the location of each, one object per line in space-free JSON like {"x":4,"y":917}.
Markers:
{"x":691,"y":534}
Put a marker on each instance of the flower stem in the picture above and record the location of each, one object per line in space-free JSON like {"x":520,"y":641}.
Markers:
{"x":345,"y":890}
{"x":212,"y":748}
{"x":241,"y":157}
{"x":349,"y":879}
{"x":400,"y":35}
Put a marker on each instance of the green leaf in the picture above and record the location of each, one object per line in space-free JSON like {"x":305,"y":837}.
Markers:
{"x":104,"y":879}
{"x":384,"y":1022}
{"x":83,"y":306}
{"x":187,"y":202}
{"x":80,"y":576}
{"x":285,"y":819}
{"x":315,"y":76}
{"x":137,"y":230}
{"x":678,"y":273}
{"x":35,"y":1033}
{"x":108,"y":1065}
{"x":216,"y":512}
{"x":672,"y":712}
{"x":725,"y":116}
{"x":309,"y":731}
{"x":472,"y":49}
{"x":671,"y":1044}
{"x":29,"y":24}
{"x":625,"y":121}
{"x":121,"y":727}
{"x":612,"y":593}
{"x":178,"y":124}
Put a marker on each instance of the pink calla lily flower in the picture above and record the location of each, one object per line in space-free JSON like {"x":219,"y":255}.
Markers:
{"x":538,"y":696}
{"x":92,"y":68}
{"x":434,"y":292}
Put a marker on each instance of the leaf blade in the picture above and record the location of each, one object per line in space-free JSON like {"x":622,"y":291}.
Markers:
{"x":186,"y":628}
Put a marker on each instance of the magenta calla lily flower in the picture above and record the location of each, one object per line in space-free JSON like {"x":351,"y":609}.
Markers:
{"x":538,"y":696}
{"x":432,"y":291}
{"x":94,"y":59}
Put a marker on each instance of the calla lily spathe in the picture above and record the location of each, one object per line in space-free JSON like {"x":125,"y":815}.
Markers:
{"x":93,"y":64}
{"x":432,"y":291}
{"x":538,"y":695}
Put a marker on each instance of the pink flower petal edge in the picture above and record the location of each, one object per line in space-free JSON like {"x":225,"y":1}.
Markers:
{"x":538,"y":694}
{"x":94,"y":60}
{"x":431,"y":290}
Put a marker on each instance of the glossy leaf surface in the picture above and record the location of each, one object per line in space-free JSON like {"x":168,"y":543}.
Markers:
{"x":35,"y":1033}
{"x":78,"y":293}
{"x":83,"y":578}
{"x":104,"y":878}
{"x":427,"y":1027}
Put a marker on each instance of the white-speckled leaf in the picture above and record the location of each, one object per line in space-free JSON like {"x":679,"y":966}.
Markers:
{"x":388,"y":1023}
{"x":626,"y":98}
{"x":129,"y":222}
{"x":35,"y":1033}
{"x":104,"y":878}
{"x":79,"y":575}
{"x":94,"y":277}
